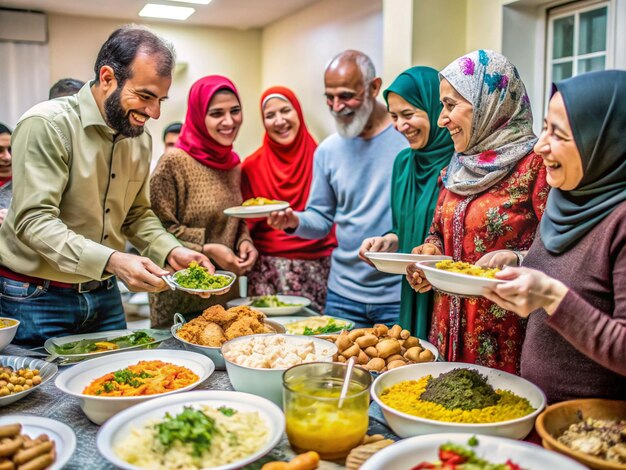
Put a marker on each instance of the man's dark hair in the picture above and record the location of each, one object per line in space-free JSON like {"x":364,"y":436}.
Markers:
{"x":65,"y":87}
{"x":4,"y":129}
{"x":123,"y":45}
{"x":173,"y":127}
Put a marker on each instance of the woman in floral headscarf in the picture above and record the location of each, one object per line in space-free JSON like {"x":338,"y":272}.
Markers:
{"x":194,"y":183}
{"x":493,"y":197}
{"x":282,"y":169}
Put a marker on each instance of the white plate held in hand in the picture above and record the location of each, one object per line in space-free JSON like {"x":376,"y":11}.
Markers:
{"x":255,"y":212}
{"x":456,"y":283}
{"x":396,"y":263}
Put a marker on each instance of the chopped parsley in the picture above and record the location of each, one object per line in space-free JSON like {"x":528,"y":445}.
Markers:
{"x":189,"y":427}
{"x":227,"y":411}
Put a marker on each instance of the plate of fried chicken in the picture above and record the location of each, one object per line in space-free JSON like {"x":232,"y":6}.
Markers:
{"x":206,"y":333}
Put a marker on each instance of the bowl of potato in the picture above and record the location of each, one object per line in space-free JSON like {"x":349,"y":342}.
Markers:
{"x":380,"y":348}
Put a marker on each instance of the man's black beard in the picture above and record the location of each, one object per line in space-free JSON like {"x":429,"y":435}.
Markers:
{"x":117,"y":119}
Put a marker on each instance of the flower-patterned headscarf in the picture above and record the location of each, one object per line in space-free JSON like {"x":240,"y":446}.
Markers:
{"x":501,"y":124}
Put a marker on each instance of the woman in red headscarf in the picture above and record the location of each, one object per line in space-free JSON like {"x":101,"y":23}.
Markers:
{"x":282,"y":169}
{"x":192,"y":185}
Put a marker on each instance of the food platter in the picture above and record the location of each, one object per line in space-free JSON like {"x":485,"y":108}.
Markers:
{"x":173,"y":284}
{"x":47,"y":370}
{"x":396,"y":263}
{"x":119,"y":428}
{"x":298,"y":303}
{"x":456,"y":283}
{"x":98,"y":409}
{"x":255,"y":212}
{"x":408,"y":453}
{"x":52,"y":344}
{"x":62,"y":435}
{"x":291,"y":322}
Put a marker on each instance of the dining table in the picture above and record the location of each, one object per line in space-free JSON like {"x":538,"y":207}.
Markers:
{"x":50,"y":402}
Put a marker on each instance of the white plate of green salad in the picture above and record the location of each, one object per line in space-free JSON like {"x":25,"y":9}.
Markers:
{"x":104,"y":342}
{"x":272,"y":305}
{"x":197,"y":279}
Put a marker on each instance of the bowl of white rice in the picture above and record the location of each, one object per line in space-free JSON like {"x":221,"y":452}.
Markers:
{"x":242,"y":429}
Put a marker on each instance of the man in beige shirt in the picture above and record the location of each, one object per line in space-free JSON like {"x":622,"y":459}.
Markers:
{"x":80,"y":171}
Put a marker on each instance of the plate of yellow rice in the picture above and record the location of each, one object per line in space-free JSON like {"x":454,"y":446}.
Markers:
{"x":459,"y":278}
{"x":399,"y":394}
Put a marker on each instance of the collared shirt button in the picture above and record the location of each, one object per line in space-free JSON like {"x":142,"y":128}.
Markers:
{"x":113,"y":175}
{"x":106,"y":236}
{"x":107,"y":210}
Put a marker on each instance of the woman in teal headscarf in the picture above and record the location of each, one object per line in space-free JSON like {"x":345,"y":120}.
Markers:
{"x":413,"y":103}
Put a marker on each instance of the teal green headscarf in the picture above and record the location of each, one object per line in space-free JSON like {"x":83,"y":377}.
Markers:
{"x":414,"y":189}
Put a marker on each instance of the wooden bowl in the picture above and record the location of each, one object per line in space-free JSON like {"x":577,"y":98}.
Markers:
{"x":557,"y":418}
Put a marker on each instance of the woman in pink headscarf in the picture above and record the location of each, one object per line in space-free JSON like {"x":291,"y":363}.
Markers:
{"x":192,"y":185}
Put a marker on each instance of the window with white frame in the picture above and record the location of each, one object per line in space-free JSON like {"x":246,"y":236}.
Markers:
{"x":579,"y":39}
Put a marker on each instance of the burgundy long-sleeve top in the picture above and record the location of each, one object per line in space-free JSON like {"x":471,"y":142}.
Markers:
{"x":580,"y":351}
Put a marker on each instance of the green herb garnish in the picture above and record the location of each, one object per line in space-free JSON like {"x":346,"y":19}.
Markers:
{"x":227,"y":411}
{"x":330,"y":327}
{"x":197,"y":277}
{"x":85,"y":346}
{"x":270,"y":301}
{"x":460,"y":388}
{"x":472,"y":441}
{"x":189,"y":427}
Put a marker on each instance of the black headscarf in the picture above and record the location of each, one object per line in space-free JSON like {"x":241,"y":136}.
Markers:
{"x":596,"y":108}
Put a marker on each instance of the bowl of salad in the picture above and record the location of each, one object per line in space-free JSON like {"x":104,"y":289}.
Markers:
{"x":273,"y":305}
{"x":466,"y":451}
{"x":197,"y":279}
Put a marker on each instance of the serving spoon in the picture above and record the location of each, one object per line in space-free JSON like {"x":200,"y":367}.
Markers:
{"x":346,"y":382}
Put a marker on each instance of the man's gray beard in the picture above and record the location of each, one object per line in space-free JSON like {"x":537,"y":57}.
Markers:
{"x":354,"y":128}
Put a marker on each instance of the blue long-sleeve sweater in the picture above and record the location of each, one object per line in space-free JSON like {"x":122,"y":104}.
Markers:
{"x":351,"y":188}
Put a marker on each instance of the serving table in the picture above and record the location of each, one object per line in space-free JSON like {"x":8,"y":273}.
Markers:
{"x":50,"y":402}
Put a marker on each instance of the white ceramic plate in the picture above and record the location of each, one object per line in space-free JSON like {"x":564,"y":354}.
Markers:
{"x":47,"y":370}
{"x":158,"y":335}
{"x":255,"y":212}
{"x":170,"y":280}
{"x":406,"y":425}
{"x":285,"y":321}
{"x":396,"y":263}
{"x":408,"y":453}
{"x":62,"y":435}
{"x":117,"y":428}
{"x":97,"y":408}
{"x":273,"y":311}
{"x":456,"y":283}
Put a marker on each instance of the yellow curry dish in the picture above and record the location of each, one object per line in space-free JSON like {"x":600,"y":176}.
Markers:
{"x":259,"y":201}
{"x":461,"y":267}
{"x":7,"y":323}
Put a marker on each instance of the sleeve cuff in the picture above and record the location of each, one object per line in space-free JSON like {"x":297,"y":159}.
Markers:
{"x":93,"y":260}
{"x":158,"y":250}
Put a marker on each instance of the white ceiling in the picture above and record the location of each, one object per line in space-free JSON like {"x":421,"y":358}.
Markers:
{"x":242,"y":14}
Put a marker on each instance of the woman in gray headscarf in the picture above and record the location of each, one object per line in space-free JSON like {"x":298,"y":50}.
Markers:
{"x":575,"y":294}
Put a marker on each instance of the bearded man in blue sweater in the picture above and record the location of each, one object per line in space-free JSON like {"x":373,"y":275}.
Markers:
{"x":351,"y":190}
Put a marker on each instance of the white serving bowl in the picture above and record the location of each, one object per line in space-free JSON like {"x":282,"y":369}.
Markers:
{"x":268,"y":383}
{"x":98,"y":409}
{"x":213,"y":352}
{"x":8,"y":332}
{"x":406,"y":425}
{"x":396,"y":263}
{"x":406,"y":454}
{"x":47,"y":370}
{"x":456,"y":283}
{"x":119,"y":427}
{"x":302,"y":302}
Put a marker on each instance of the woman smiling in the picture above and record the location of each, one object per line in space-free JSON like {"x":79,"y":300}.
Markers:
{"x":282,"y":169}
{"x":414,"y":106}
{"x":572,"y":287}
{"x":493,"y":197}
{"x":192,"y":185}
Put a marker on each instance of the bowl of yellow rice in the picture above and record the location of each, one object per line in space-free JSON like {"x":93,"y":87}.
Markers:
{"x":398,"y":393}
{"x":457,"y":277}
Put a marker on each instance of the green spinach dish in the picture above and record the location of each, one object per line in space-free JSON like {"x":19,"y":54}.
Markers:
{"x":270,"y":301}
{"x":88,"y":346}
{"x":197,"y":277}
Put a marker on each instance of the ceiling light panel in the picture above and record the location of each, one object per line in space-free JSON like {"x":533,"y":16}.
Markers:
{"x":169,"y":12}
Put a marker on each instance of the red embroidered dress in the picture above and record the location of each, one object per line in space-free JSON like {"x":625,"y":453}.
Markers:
{"x":505,"y":216}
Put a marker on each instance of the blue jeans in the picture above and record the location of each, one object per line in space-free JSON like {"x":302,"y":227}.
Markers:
{"x":46,"y":311}
{"x":363,"y":315}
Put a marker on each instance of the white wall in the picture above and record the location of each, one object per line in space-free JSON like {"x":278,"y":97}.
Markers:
{"x":75,"y":42}
{"x":297,"y":48}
